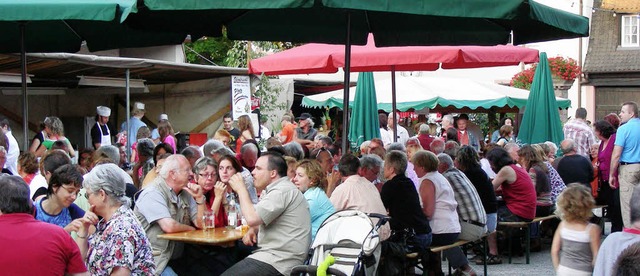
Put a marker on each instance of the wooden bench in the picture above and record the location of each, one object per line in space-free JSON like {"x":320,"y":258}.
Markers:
{"x":526,"y":226}
{"x":440,"y":249}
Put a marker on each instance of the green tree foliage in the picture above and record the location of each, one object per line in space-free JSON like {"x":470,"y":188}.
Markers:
{"x":231,"y":53}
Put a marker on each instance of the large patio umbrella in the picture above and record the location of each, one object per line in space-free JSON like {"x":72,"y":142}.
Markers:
{"x":63,"y":25}
{"x":392,"y":22}
{"x":365,"y":111}
{"x":541,"y":120}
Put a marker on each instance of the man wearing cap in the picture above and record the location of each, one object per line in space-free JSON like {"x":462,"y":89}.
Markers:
{"x":155,"y":135}
{"x":135,"y":122}
{"x":305,"y":133}
{"x":100,"y":133}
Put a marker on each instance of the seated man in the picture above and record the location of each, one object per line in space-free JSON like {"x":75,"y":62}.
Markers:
{"x":170,"y":204}
{"x":615,"y":243}
{"x":31,"y":247}
{"x":356,"y":192}
{"x":280,"y":223}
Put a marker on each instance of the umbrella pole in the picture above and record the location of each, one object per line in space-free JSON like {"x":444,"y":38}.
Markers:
{"x":345,"y":100}
{"x":126,"y":85}
{"x":25,"y":104}
{"x":393,"y":103}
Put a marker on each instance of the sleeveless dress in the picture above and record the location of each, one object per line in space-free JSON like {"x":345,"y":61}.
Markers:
{"x":576,"y":256}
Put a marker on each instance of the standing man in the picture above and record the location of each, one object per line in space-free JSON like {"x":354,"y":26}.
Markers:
{"x":135,"y":122}
{"x":578,"y":130}
{"x":626,"y":157}
{"x":100,"y":133}
{"x":280,"y":223}
{"x":305,"y":133}
{"x":227,"y":123}
{"x":288,"y":129}
{"x":447,"y":123}
{"x":402,"y":136}
{"x":31,"y":247}
{"x":14,"y":149}
{"x":170,"y":204}
{"x":465,"y":136}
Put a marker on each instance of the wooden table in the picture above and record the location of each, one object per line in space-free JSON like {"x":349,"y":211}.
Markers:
{"x":218,"y":236}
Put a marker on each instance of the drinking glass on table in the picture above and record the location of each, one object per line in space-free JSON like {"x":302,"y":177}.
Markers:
{"x":208,"y":220}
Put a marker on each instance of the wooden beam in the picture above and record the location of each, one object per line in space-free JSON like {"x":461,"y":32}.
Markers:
{"x":207,"y":122}
{"x":18,"y":119}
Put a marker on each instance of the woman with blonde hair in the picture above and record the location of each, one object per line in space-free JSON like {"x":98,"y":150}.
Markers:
{"x":578,"y":239}
{"x":246,"y":131}
{"x":167,"y":134}
{"x":223,"y":136}
{"x":312,"y":182}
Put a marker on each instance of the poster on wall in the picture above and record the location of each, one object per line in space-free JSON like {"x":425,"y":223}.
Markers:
{"x":240,"y":96}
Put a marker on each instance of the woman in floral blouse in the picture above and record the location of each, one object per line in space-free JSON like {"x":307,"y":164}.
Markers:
{"x":118,"y":244}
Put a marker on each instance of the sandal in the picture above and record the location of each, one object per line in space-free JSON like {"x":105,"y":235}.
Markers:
{"x":491,"y":260}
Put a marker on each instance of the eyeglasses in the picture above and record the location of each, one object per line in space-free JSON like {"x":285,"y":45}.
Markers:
{"x":208,"y":175}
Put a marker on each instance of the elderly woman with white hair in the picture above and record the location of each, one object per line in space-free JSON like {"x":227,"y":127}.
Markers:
{"x":117,"y":245}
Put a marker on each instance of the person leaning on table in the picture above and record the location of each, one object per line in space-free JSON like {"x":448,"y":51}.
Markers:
{"x":117,"y":244}
{"x":170,"y":204}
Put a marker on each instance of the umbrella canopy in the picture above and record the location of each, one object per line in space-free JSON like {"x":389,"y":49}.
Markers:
{"x":541,"y":120}
{"x":425,"y":92}
{"x":62,"y":26}
{"x":393,"y":23}
{"x":364,"y":111}
{"x":327,"y":58}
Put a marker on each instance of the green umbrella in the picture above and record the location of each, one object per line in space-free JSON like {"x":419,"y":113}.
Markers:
{"x":63,"y":25}
{"x":364,"y":113}
{"x":541,"y":121}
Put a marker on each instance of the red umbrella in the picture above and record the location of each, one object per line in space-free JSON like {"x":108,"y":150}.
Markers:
{"x":327,"y":58}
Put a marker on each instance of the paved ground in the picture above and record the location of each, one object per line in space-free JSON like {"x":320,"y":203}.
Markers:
{"x":540,"y":263}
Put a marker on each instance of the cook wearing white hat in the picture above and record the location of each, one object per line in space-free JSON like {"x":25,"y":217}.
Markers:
{"x":135,"y":123}
{"x":100,"y":133}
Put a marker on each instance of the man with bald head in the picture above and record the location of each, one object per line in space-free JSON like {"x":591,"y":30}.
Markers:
{"x":573,"y":167}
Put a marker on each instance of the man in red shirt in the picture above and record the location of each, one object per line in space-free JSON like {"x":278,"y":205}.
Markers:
{"x":31,"y":247}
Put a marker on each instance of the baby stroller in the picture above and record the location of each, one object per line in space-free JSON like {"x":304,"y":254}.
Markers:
{"x":351,"y":237}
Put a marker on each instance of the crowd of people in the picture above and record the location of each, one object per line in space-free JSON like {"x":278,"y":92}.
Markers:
{"x":102,"y":214}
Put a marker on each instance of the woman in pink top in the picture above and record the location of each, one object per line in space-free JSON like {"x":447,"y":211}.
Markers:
{"x":607,"y":194}
{"x":167,"y":135}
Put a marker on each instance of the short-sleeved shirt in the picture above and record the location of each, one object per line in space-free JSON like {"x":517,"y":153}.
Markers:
{"x":63,"y":218}
{"x":400,"y":197}
{"x":287,"y":131}
{"x":319,"y":206}
{"x":134,"y":125}
{"x":578,"y":131}
{"x":628,"y":137}
{"x":120,"y":242}
{"x":152,"y":205}
{"x":96,"y":134}
{"x":483,"y":186}
{"x":285,"y":235}
{"x":31,"y":247}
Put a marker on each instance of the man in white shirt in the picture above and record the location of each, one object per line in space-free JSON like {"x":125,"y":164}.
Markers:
{"x":403,"y":134}
{"x":14,"y":149}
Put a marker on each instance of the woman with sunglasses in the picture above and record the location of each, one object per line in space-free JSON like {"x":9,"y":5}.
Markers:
{"x":118,"y":243}
{"x":57,"y":206}
{"x":206,"y":175}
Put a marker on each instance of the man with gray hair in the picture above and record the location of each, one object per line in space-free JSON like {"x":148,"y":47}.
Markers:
{"x":512,"y":148}
{"x":447,"y":123}
{"x":249,"y":154}
{"x":192,"y":153}
{"x":579,"y":131}
{"x":436,"y":146}
{"x":370,"y":166}
{"x":616,"y":242}
{"x":573,"y":167}
{"x":305,"y":133}
{"x":424,"y":137}
{"x":473,"y":218}
{"x":403,"y":135}
{"x":170,"y":204}
{"x":109,"y":151}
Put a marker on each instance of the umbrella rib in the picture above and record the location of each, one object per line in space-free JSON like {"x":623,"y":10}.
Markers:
{"x":71,"y":28}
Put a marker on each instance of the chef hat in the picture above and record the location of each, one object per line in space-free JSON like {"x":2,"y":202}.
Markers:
{"x":138,"y":106}
{"x":103,"y":111}
{"x":163,"y":117}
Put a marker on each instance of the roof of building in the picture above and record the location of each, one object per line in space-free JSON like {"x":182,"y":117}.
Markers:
{"x":622,"y":6}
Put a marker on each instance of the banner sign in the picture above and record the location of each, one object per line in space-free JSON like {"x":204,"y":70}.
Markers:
{"x":240,"y":96}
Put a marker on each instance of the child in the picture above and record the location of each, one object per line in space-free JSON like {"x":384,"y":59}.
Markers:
{"x":578,"y":239}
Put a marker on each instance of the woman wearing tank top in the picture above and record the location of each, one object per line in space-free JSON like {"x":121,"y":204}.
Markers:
{"x":576,"y":242}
